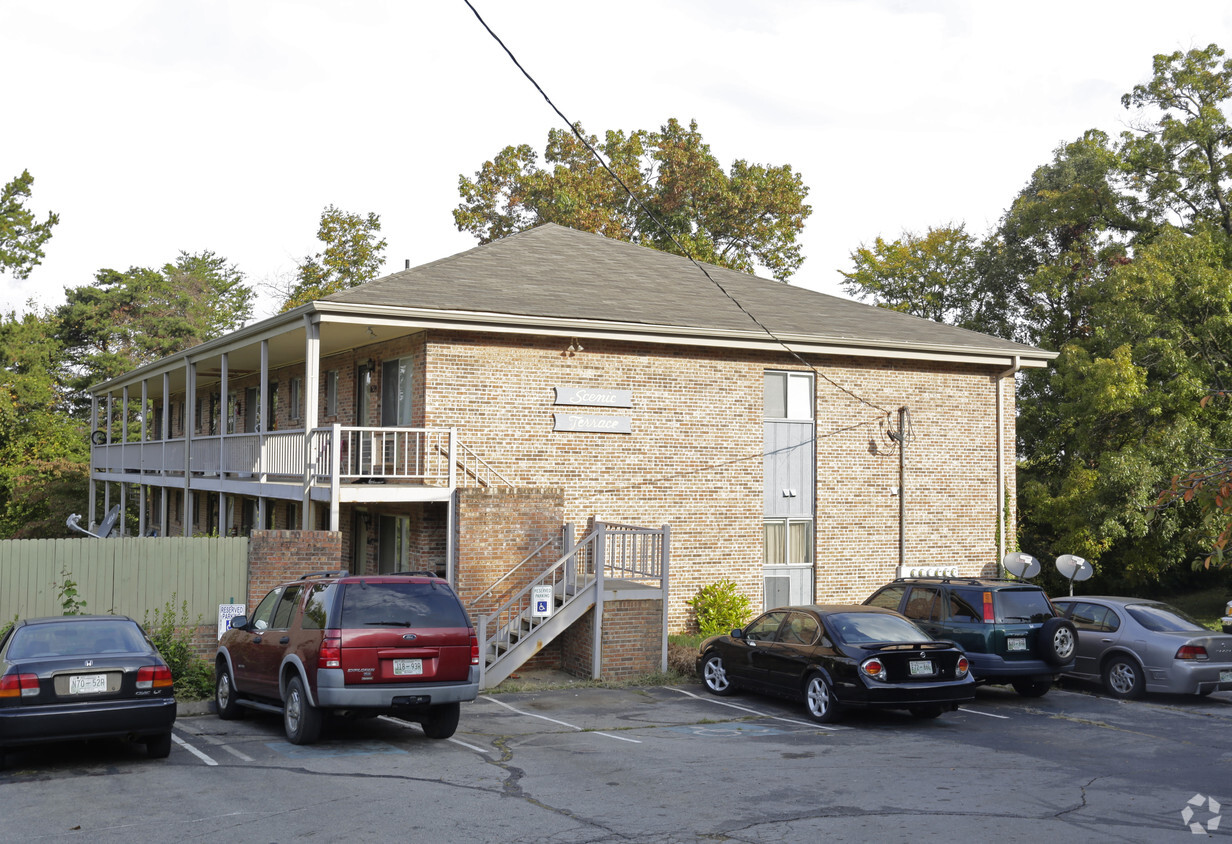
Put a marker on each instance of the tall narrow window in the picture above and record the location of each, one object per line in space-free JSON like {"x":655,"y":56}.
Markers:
{"x":396,"y":394}
{"x":331,"y":393}
{"x":297,"y":390}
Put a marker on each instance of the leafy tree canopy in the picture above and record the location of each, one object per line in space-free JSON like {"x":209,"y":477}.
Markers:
{"x":352,"y":255}
{"x":21,"y":235}
{"x":747,"y":216}
{"x":126,"y":319}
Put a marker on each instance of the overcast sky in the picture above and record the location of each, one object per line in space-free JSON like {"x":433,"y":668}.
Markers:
{"x":155,"y":127}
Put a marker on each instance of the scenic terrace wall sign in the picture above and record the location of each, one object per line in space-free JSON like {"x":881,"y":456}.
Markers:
{"x":592,"y":423}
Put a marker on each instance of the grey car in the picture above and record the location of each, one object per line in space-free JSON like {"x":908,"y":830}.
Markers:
{"x":1134,"y":646}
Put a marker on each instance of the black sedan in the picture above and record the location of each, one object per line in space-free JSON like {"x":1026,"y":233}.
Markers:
{"x":838,"y":656}
{"x":83,"y":677}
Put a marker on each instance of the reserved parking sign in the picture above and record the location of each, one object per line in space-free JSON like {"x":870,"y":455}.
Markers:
{"x":541,"y":601}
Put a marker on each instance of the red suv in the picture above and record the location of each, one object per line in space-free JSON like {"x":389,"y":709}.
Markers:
{"x":398,"y":644}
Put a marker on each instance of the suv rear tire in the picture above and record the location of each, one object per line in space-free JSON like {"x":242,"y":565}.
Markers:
{"x":300,"y":719}
{"x":1058,"y":641}
{"x":441,"y":722}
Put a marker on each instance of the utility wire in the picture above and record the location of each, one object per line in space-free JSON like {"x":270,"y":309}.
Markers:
{"x":576,"y":131}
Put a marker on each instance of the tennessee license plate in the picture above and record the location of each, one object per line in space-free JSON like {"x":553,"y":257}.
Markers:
{"x":408,"y":667}
{"x":921,"y":667}
{"x":1016,"y":643}
{"x":1225,"y":676}
{"x":87,"y":684}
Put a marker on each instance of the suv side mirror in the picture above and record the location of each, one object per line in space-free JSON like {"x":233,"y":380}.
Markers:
{"x":239,"y":622}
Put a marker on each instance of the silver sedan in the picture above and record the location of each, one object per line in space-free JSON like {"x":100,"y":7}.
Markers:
{"x":1134,"y":645}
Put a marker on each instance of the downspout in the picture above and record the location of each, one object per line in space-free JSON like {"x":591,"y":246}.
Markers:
{"x":1001,"y":508}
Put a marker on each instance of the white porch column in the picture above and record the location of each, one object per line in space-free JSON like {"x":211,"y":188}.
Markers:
{"x":222,"y":418}
{"x":263,"y":411}
{"x":93,"y":505}
{"x":312,"y":376}
{"x":190,"y":415}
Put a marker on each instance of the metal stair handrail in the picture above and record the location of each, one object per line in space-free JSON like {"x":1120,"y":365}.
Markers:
{"x":474,"y":466}
{"x":485,"y":593}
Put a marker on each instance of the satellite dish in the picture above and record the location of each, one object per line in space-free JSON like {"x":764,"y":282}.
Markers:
{"x":109,"y":522}
{"x":1074,"y":568}
{"x":1021,"y":565}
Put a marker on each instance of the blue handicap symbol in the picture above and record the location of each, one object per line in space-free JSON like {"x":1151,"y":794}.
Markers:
{"x":542,"y":606}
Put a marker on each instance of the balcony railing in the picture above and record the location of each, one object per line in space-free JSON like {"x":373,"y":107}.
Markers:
{"x":322,"y":456}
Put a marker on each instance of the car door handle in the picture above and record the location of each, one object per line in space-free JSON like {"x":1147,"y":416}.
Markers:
{"x":1107,"y":641}
{"x":256,"y":640}
{"x":284,"y":640}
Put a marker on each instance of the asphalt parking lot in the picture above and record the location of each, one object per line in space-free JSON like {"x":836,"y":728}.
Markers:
{"x":657,"y":764}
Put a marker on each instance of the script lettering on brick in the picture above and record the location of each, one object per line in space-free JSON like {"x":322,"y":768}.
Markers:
{"x":592,"y":423}
{"x":594,"y":397}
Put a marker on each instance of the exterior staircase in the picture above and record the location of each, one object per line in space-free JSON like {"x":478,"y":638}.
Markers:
{"x":610,"y":557}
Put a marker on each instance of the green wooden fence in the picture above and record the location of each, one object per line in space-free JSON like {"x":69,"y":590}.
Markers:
{"x":130,"y":577}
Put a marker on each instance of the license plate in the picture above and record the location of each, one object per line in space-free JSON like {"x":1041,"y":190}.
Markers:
{"x":87,"y":684}
{"x":1225,"y":676}
{"x":921,"y":667}
{"x":406,"y":667}
{"x":1016,"y":643}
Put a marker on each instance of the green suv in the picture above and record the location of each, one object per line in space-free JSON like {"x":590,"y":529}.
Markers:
{"x":1008,"y":629}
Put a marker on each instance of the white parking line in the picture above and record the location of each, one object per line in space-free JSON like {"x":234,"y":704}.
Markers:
{"x":194,"y":751}
{"x":985,"y":714}
{"x":811,"y":724}
{"x":220,"y":743}
{"x":562,"y":723}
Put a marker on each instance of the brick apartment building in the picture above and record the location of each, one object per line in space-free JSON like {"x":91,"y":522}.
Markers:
{"x":457,"y":415}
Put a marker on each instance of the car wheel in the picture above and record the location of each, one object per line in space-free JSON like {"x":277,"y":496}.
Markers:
{"x":1031,"y":687}
{"x":159,"y":747}
{"x":819,"y":700}
{"x":441,"y":721}
{"x":714,"y":675}
{"x":224,"y":695}
{"x":1058,"y":641}
{"x":925,"y":712}
{"x":300,"y":719}
{"x":1123,"y":678}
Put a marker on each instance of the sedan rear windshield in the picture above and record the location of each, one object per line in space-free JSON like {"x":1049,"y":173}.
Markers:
{"x":1021,"y":605}
{"x":401,"y":605}
{"x":856,"y":628}
{"x":76,"y":638}
{"x":1162,"y":618}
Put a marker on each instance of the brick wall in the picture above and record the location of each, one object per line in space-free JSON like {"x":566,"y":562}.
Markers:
{"x":694,"y":457}
{"x":631,"y":641}
{"x":275,"y":556}
{"x":497,"y":529}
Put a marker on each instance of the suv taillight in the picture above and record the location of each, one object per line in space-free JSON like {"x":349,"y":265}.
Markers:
{"x":989,"y":615}
{"x":474,"y":650}
{"x":330,"y":655}
{"x":25,"y":685}
{"x":154,"y":677}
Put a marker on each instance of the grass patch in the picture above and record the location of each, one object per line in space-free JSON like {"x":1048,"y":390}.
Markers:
{"x":1206,"y":605}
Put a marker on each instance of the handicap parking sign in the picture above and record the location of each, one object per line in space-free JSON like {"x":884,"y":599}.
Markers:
{"x":541,"y":601}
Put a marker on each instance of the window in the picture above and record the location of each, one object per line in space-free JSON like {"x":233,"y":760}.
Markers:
{"x":282,"y":615}
{"x":232,"y":408}
{"x":331,"y":393}
{"x":788,"y":542}
{"x":789,"y":395}
{"x":297,"y":389}
{"x":924,"y":604}
{"x":396,"y":392}
{"x":766,"y":628}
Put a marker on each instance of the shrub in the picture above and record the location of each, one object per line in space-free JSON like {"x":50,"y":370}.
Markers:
{"x":720,"y":607}
{"x":172,"y":635}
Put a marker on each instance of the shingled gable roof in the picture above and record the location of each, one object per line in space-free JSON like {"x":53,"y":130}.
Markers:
{"x":552,"y":273}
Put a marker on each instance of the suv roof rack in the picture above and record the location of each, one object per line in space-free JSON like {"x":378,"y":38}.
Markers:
{"x":342,"y":573}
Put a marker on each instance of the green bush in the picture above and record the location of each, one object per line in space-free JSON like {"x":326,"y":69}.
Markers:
{"x":720,"y":607}
{"x":172,"y":634}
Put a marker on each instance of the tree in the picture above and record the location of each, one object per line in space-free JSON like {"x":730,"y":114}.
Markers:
{"x":126,"y":319}
{"x":352,"y":256}
{"x":1179,"y":156}
{"x":43,"y":453}
{"x":935,"y":276}
{"x":21,"y":236}
{"x":750,"y":215}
